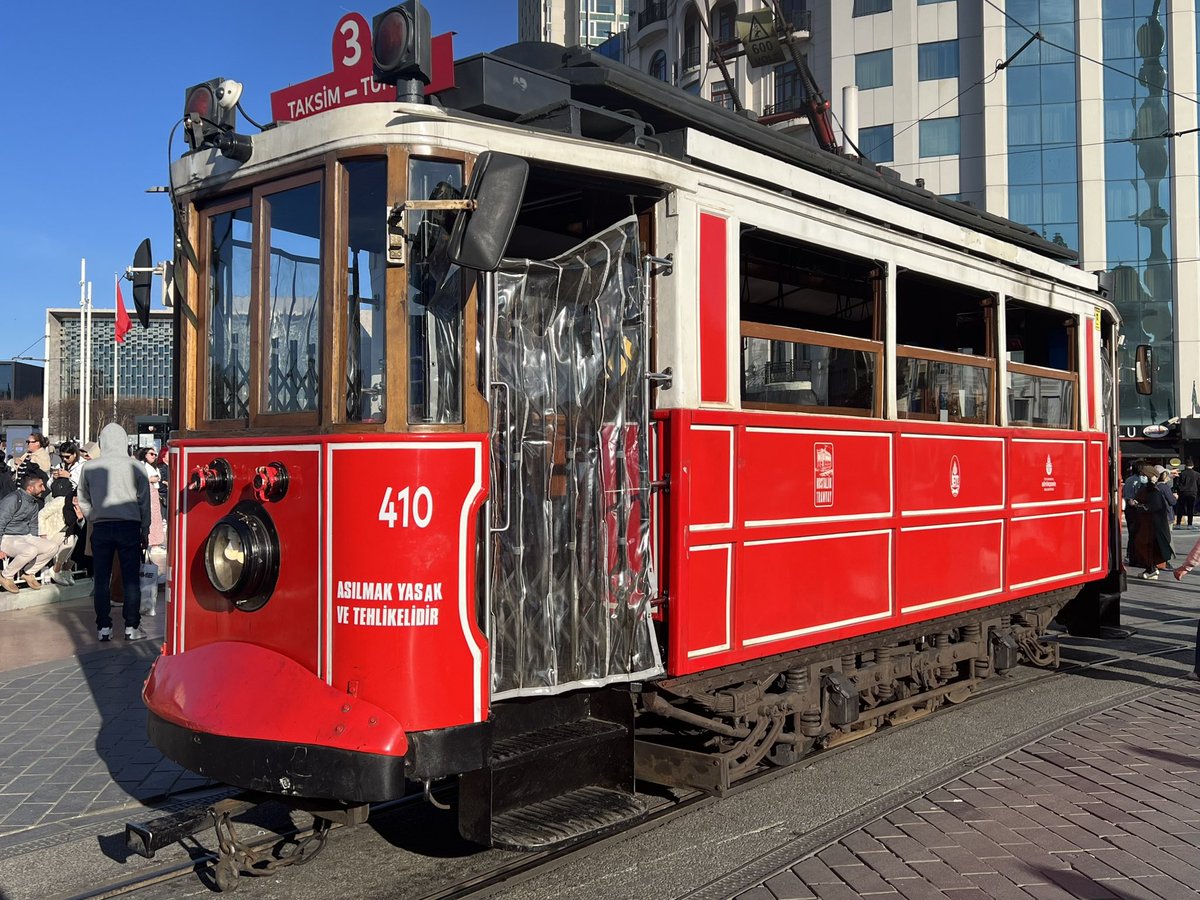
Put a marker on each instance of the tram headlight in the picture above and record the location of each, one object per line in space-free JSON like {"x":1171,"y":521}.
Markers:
{"x":241,"y":556}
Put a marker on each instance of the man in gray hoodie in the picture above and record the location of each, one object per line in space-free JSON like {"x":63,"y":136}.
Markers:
{"x":114,"y":496}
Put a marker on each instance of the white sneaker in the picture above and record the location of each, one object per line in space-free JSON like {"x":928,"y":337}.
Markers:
{"x":62,"y":579}
{"x":104,"y":634}
{"x":134,"y":634}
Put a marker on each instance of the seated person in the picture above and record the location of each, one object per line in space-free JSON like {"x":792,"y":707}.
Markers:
{"x":25,"y":553}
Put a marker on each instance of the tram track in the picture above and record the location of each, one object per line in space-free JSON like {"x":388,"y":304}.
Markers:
{"x":510,"y":873}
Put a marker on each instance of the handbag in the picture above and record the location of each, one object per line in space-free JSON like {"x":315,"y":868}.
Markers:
{"x":148,"y":581}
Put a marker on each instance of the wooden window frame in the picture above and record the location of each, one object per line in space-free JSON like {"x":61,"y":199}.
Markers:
{"x":907,"y":351}
{"x":1064,"y":375}
{"x":792,"y":335}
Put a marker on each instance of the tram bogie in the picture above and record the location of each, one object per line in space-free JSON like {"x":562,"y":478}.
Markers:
{"x":547,"y":462}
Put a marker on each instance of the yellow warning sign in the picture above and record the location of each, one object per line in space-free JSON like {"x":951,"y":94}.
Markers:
{"x":756,"y":31}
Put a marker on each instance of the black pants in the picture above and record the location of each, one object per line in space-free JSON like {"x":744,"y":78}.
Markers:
{"x":124,"y":541}
{"x":1185,"y":507}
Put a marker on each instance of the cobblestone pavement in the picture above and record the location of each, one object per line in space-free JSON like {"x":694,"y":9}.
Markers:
{"x":1108,"y":807}
{"x":73,"y":741}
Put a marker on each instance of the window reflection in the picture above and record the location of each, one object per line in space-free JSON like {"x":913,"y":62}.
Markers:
{"x":942,"y":391}
{"x":366,"y":276}
{"x":293,"y":299}
{"x":229,"y":281}
{"x":435,"y":298}
{"x":834,"y":379}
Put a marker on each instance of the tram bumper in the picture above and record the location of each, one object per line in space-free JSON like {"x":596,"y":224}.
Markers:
{"x":253,"y":718}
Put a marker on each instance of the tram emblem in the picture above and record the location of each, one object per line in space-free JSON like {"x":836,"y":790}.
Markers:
{"x":1048,"y":483}
{"x":823,"y":474}
{"x":955,"y":477}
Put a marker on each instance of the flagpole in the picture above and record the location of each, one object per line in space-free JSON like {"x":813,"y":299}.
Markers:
{"x":116,"y":344}
{"x":82,"y":342}
{"x":87,"y":402}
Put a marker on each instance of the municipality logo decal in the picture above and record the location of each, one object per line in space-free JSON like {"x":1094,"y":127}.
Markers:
{"x":1049,"y":465}
{"x":955,"y":477}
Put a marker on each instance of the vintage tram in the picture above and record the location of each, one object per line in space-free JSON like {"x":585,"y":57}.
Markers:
{"x":568,"y":429}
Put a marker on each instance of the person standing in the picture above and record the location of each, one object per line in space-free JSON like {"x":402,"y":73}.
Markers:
{"x":114,"y":496}
{"x":1133,"y":511}
{"x":1187,"y":486}
{"x":1150,"y":543}
{"x":25,"y":552}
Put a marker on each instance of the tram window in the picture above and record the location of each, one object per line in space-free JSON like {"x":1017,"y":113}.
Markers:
{"x":435,"y":298}
{"x":366,"y":271}
{"x":808,"y":327}
{"x":1042,"y":383}
{"x":229,"y":286}
{"x":945,"y":366}
{"x":293,"y":299}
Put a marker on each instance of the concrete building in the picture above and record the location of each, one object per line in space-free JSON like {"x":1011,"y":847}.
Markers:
{"x":1086,"y":134}
{"x":571,"y":22}
{"x":19,"y":380}
{"x":145,"y":364}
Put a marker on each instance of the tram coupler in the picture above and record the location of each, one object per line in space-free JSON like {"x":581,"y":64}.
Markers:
{"x":147,"y":838}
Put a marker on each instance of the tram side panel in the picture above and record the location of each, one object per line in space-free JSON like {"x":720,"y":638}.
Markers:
{"x":787,"y":532}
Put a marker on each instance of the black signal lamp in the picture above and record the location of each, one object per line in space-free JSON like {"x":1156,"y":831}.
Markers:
{"x":401,"y":49}
{"x":210,"y":117}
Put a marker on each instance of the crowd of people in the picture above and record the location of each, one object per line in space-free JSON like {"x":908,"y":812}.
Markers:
{"x":1157,"y":500}
{"x":71,"y":510}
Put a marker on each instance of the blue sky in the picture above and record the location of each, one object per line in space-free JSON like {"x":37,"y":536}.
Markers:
{"x":93,"y":90}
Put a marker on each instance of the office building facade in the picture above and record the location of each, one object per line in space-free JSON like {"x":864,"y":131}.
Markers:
{"x":571,"y":22}
{"x":144,"y":368}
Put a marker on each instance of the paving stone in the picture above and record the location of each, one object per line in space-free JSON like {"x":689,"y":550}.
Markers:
{"x":863,"y":879}
{"x":787,"y":886}
{"x":758,"y":893}
{"x":909,"y":850}
{"x":941,"y":875}
{"x":1080,"y":886}
{"x":997,"y":887}
{"x":813,"y":872}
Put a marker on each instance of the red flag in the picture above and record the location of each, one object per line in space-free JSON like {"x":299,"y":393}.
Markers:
{"x":123,"y":322}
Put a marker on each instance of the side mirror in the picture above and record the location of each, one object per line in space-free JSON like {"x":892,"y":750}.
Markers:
{"x":142,"y":272}
{"x":481,"y":235}
{"x":1143,"y":369}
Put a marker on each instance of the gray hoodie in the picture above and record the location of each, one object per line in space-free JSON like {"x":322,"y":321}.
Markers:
{"x":113,"y":487}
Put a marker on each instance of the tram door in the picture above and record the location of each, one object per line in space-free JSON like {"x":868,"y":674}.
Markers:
{"x":570,"y":571}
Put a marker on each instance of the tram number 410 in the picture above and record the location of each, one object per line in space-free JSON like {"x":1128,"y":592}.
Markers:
{"x":416,"y":507}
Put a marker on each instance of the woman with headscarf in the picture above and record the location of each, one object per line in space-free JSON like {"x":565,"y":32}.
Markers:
{"x":1150,"y":545}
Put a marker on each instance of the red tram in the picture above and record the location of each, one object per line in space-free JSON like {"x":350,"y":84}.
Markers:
{"x":570,"y":429}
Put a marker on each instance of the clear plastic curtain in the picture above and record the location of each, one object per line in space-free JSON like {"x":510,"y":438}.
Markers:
{"x":571,"y":577}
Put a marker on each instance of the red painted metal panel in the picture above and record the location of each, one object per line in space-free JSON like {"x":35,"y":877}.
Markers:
{"x":1045,"y":470}
{"x":218,"y":689}
{"x":1096,"y":542}
{"x":949,"y":473}
{"x":792,"y":559}
{"x":376,"y":590}
{"x":714,"y":309}
{"x":711,"y":480}
{"x":290,"y":622}
{"x":1045,"y":548}
{"x":788,"y":475}
{"x":709,"y":627}
{"x":1097,"y":465}
{"x":414,"y":648}
{"x":845,"y":579}
{"x":944,"y":565}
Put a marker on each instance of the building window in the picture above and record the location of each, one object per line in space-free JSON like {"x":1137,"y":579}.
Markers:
{"x":722,"y":96}
{"x":876,"y":143}
{"x":658,"y":66}
{"x":873,"y":70}
{"x":939,"y":137}
{"x":871,"y":7}
{"x":931,"y":2}
{"x":937,"y":60}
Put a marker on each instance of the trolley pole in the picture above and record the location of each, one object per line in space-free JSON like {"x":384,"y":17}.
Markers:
{"x":87,"y":342}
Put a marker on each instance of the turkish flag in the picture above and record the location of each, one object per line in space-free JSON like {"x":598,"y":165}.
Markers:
{"x":123,"y":321}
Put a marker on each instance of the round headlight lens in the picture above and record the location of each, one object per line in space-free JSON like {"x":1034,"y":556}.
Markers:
{"x":226,"y":558}
{"x":241,"y":556}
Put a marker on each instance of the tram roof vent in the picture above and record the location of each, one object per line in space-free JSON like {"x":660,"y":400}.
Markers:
{"x":487,"y":85}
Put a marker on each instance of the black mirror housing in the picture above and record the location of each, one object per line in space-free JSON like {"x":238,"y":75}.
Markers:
{"x":143,"y":262}
{"x":480,"y":236}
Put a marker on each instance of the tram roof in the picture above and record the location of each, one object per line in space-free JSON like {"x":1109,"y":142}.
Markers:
{"x":599,"y":81}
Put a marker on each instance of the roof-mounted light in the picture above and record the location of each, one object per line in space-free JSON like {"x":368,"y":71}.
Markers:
{"x":401,"y":50}
{"x":210,"y":117}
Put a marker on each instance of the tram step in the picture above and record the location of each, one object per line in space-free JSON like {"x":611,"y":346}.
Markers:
{"x":544,"y":750}
{"x":585,"y":811}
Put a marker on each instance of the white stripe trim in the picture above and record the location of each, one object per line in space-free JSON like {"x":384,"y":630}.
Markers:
{"x":950,"y":509}
{"x":1057,"y":577}
{"x":962,"y":597}
{"x":719,"y":526}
